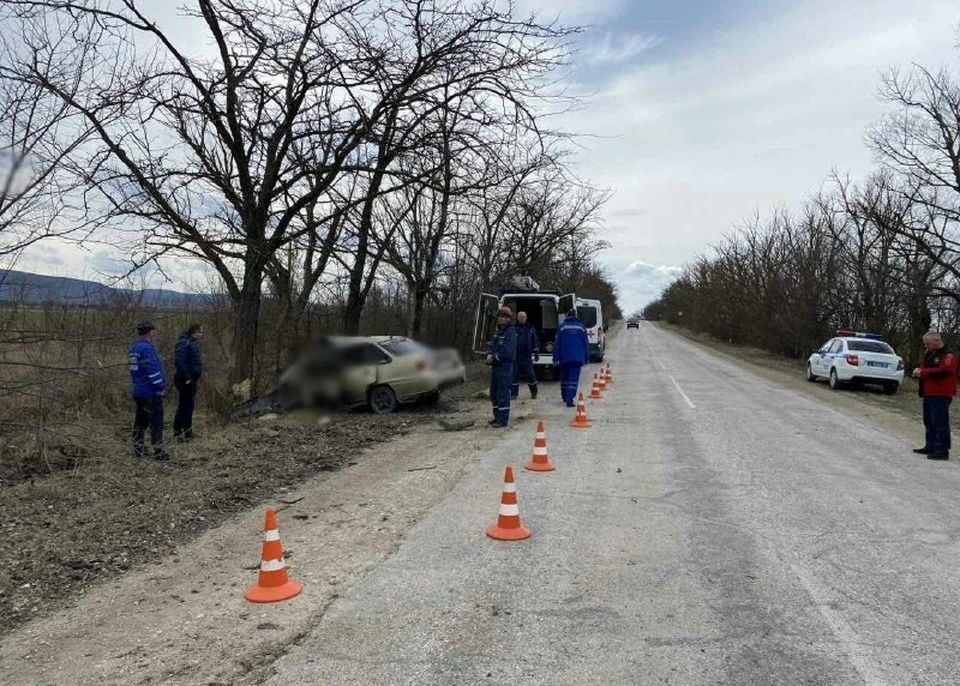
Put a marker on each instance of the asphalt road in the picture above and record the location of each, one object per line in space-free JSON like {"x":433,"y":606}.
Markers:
{"x":712,"y":528}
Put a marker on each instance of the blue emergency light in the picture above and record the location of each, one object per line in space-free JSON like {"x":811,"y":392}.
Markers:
{"x":856,"y":334}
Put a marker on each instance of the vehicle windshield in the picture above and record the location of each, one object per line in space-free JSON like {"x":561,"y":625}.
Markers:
{"x":870,"y":347}
{"x":402,"y":346}
{"x":588,"y":316}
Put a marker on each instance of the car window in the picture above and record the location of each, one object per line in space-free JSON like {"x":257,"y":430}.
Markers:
{"x":363,"y":354}
{"x":870,"y":347}
{"x":400,"y":347}
{"x":588,"y":316}
{"x":837,"y":346}
{"x":826,"y":346}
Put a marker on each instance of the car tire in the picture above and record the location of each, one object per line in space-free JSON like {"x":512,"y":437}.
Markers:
{"x":811,"y":377}
{"x":834,"y":380}
{"x":382,"y":400}
{"x":891,"y":388}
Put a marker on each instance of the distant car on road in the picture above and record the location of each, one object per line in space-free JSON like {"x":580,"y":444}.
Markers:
{"x":856,"y":359}
{"x":380,"y":372}
{"x":633,"y":324}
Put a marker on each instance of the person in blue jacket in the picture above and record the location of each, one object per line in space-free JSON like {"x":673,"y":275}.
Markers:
{"x":501,"y":355}
{"x":149,"y":389}
{"x":571,"y":350}
{"x":189,"y":369}
{"x":528,"y":350}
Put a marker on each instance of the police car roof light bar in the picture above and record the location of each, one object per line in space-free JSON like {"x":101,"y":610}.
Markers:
{"x":856,"y":334}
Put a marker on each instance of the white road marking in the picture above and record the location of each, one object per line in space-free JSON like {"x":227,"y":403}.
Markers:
{"x":659,"y":362}
{"x":680,"y":390}
{"x":847,"y":637}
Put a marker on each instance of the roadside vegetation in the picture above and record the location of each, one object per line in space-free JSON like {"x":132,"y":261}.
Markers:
{"x":318,"y":168}
{"x":880,"y":255}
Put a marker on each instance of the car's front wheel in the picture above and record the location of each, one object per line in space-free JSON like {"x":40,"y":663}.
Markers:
{"x":810,"y":376}
{"x":834,"y":380}
{"x":383,"y":400}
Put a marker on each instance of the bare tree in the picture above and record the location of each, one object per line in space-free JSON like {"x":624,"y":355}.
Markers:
{"x":38,"y":133}
{"x":217,"y":155}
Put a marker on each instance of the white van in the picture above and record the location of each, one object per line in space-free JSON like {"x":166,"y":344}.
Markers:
{"x":590,"y":312}
{"x":544,"y":311}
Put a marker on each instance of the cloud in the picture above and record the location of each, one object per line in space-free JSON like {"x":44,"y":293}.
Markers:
{"x":642,"y":269}
{"x":616,"y":48}
{"x":753,"y":115}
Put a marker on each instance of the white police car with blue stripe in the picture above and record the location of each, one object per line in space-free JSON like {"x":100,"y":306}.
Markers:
{"x":854,"y":358}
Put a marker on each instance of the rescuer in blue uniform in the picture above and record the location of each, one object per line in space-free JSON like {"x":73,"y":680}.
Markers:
{"x":149,"y":389}
{"x":501,"y":355}
{"x":571,"y":350}
{"x":528,"y":350}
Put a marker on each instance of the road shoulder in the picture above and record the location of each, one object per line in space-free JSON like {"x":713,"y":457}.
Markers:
{"x":899,"y":415}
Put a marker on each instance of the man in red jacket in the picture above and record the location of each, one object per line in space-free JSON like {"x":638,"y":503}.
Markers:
{"x":938,"y":386}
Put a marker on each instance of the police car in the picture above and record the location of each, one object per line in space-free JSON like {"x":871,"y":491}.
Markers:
{"x":856,"y":358}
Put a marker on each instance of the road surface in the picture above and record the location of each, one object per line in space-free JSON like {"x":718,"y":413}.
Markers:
{"x":712,"y":528}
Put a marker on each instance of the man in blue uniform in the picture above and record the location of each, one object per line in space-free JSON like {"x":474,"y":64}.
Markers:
{"x":149,"y":389}
{"x":571,"y":350}
{"x":189,"y":369}
{"x":501,"y":355}
{"x":528,"y":350}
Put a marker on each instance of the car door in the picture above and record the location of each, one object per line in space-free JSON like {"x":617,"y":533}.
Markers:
{"x":833,"y":352}
{"x":567,"y":302}
{"x":819,"y":359}
{"x":360,"y":371}
{"x":485,"y":318}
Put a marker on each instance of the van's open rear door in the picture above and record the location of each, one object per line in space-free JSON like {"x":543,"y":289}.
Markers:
{"x":567,"y":302}
{"x":484,"y":320}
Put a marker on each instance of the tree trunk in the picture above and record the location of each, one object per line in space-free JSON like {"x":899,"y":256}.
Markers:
{"x":245,"y":331}
{"x":419,"y":299}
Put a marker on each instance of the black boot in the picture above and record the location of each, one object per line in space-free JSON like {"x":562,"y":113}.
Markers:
{"x":938,"y":456}
{"x":922,"y":451}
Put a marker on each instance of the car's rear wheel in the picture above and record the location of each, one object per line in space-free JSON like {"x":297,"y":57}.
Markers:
{"x":810,"y":376}
{"x":891,"y":388}
{"x":834,"y":380}
{"x":383,"y":400}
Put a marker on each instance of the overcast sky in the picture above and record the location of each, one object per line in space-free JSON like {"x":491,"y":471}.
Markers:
{"x":704,"y":111}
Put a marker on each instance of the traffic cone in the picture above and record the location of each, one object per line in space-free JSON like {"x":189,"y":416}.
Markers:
{"x":272,"y":583}
{"x":595,"y":391}
{"x":581,"y":421}
{"x":602,"y":380}
{"x":540,"y":462}
{"x":508,"y":526}
{"x":609,"y":374}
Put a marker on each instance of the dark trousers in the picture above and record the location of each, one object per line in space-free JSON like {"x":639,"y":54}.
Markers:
{"x":569,"y":381}
{"x":936,"y":419}
{"x":523,"y":369}
{"x":186,"y":401}
{"x":149,"y":414}
{"x":500,"y":379}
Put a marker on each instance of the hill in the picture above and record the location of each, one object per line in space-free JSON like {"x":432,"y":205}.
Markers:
{"x":38,"y":289}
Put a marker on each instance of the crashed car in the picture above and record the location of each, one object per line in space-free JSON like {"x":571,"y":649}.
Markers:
{"x":381,"y":372}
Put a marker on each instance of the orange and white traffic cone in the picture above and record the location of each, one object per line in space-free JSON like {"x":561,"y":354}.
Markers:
{"x":272,"y":583}
{"x":602,"y":380}
{"x":595,"y":393}
{"x":581,"y":421}
{"x":508,"y":526}
{"x":540,"y":462}
{"x":609,"y":374}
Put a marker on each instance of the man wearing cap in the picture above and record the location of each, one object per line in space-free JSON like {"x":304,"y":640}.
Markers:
{"x":501,"y":356}
{"x":938,"y":386}
{"x":571,"y":350}
{"x":528,"y":350}
{"x":149,"y":388}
